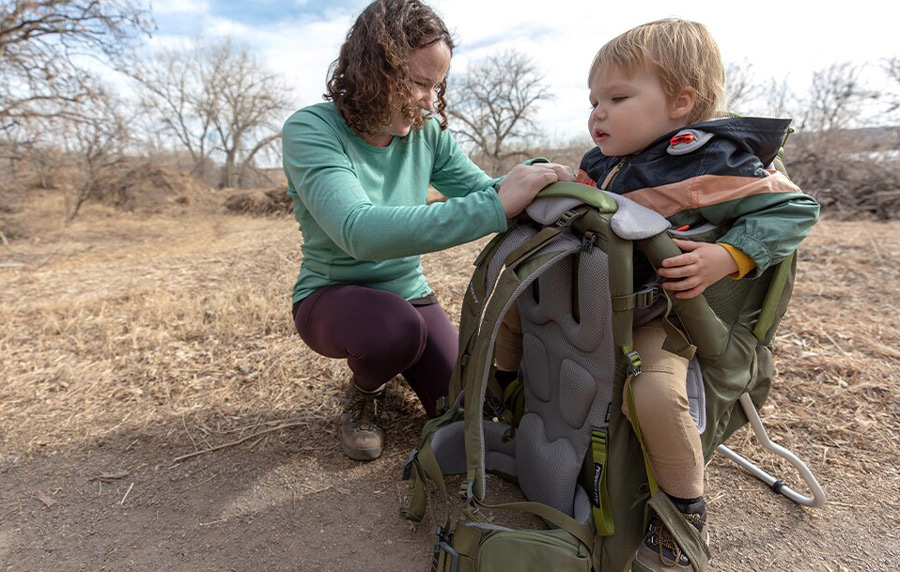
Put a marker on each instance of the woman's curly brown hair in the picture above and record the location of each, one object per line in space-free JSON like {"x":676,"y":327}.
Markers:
{"x":370,"y":77}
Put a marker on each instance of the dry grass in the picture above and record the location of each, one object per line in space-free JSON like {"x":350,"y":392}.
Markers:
{"x":179,"y":329}
{"x":142,"y":321}
{"x":158,"y":325}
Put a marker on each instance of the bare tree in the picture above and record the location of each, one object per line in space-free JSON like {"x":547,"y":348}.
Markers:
{"x":98,"y":137}
{"x":173,"y":94}
{"x":494,"y":105}
{"x":779,"y":98}
{"x":835,"y":156}
{"x":836,"y":97}
{"x":248,"y":102}
{"x":216,"y":99}
{"x":41,"y":41}
{"x":741,"y":86}
{"x":891,"y":66}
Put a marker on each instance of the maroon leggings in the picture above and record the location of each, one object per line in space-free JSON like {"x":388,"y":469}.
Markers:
{"x":381,"y":335}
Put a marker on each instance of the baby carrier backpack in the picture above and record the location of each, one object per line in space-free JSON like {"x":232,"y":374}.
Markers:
{"x":559,"y":431}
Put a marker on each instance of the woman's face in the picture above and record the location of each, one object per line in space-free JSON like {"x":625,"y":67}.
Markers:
{"x":427,"y":69}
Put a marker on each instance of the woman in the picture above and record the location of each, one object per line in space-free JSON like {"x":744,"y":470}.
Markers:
{"x":358,"y":168}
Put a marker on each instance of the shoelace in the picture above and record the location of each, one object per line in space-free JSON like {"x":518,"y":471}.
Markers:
{"x":365,"y":411}
{"x":666,"y":540}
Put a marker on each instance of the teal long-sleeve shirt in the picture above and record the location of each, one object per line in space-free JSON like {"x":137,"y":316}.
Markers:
{"x":362,"y":209}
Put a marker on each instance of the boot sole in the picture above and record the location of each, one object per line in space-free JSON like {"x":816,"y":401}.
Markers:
{"x":362,"y":454}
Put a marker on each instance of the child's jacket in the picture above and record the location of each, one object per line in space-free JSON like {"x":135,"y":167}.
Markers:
{"x":726,"y":180}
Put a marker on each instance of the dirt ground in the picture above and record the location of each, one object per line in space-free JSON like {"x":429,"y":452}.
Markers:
{"x":129,"y":342}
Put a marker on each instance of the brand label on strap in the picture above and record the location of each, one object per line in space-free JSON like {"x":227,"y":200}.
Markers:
{"x":602,"y":508}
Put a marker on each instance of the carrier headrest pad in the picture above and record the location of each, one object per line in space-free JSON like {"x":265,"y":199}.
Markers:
{"x":548,"y":210}
{"x":635,"y":222}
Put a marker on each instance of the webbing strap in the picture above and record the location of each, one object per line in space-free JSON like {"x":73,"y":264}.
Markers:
{"x":417,"y":485}
{"x":465,"y":541}
{"x":676,"y":341}
{"x":601,"y":505}
{"x":478,"y":296}
{"x":514,"y":401}
{"x":474,"y":298}
{"x":624,"y":303}
{"x":551,"y":515}
{"x":632,"y":412}
{"x":773,"y":297}
{"x":533,"y":244}
{"x":432,"y":470}
{"x":422,"y":466}
{"x":687,"y":537}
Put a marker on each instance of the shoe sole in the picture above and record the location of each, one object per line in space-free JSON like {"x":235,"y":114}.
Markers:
{"x":363,"y":454}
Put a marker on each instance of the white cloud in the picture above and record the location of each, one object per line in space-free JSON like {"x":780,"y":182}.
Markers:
{"x":780,"y":39}
{"x":180,"y":7}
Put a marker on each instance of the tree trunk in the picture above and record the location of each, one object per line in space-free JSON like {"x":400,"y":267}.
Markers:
{"x":229,"y":172}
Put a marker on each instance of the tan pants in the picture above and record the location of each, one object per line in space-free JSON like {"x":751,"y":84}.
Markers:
{"x":660,"y":398}
{"x":508,"y":347}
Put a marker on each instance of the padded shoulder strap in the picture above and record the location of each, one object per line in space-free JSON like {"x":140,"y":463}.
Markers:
{"x":706,"y":330}
{"x":774,"y":297}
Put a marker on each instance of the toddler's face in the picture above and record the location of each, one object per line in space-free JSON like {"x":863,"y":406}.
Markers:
{"x":628,"y":113}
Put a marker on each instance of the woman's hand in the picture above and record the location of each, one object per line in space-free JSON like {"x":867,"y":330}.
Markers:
{"x":519,"y":188}
{"x":701,"y":265}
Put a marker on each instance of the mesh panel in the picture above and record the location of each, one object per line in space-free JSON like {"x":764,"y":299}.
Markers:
{"x":727,"y":298}
{"x":568,"y":368}
{"x":576,"y":393}
{"x":548,"y":470}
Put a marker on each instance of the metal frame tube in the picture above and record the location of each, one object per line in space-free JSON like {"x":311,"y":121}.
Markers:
{"x":818,"y":495}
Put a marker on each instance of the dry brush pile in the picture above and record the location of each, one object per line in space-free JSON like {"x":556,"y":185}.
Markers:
{"x":853,"y":174}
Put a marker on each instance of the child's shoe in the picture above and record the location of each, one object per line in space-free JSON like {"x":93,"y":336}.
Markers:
{"x":659,"y":551}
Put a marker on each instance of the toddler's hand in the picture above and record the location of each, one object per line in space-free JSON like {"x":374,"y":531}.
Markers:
{"x":701,"y":265}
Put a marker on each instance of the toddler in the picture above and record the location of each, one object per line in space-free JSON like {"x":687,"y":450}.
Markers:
{"x":655,"y":93}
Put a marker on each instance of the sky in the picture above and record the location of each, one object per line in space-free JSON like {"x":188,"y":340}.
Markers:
{"x":785,"y":40}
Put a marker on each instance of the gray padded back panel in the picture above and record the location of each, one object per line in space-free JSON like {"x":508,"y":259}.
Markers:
{"x":696,"y":395}
{"x":448,"y":445}
{"x":569,"y":368}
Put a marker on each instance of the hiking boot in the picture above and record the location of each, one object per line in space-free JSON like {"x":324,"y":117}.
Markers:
{"x":361,"y":436}
{"x":659,"y":551}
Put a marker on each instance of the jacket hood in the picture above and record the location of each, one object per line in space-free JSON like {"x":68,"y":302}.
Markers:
{"x":739,"y":146}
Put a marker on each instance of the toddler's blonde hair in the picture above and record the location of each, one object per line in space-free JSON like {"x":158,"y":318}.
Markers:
{"x":681,"y":53}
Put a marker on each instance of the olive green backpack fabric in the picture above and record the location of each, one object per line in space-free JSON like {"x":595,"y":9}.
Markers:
{"x":559,"y":431}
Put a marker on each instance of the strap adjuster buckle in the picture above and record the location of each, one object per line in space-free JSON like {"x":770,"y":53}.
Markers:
{"x":634,"y":363}
{"x":588,"y":241}
{"x":444,"y":538}
{"x":493,"y":406}
{"x":646,"y":296}
{"x":567,"y":217}
{"x":407,"y":468}
{"x":466,"y":491}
